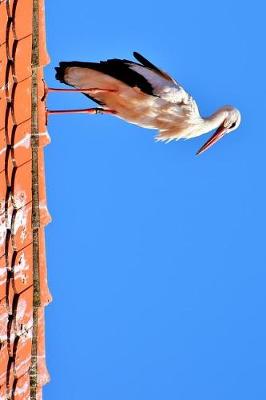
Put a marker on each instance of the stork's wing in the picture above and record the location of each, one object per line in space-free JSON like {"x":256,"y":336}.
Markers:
{"x":146,"y":76}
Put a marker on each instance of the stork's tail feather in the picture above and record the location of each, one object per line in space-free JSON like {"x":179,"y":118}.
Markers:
{"x":63,"y":65}
{"x":79,"y":74}
{"x":60,"y":71}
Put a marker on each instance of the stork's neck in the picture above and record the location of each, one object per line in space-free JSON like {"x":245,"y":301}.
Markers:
{"x":214,"y":121}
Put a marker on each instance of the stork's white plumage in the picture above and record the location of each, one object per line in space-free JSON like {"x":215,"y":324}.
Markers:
{"x":142,"y":94}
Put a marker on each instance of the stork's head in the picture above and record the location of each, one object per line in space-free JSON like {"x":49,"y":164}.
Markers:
{"x":231,"y":122}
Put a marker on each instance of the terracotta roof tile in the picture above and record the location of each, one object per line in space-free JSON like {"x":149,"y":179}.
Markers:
{"x":23,"y":346}
{"x":43,"y":374}
{"x":44,"y":57}
{"x":22,"y":59}
{"x":3,"y":393}
{"x":46,"y":297}
{"x":21,"y":186}
{"x":3,"y":324}
{"x":23,"y":307}
{"x":9,"y":7}
{"x":21,"y":223}
{"x":4,"y":355}
{"x":21,"y":94}
{"x":3,"y":65}
{"x":2,"y":150}
{"x":22,"y":271}
{"x":22,"y":25}
{"x":20,"y":143}
{"x":18,"y":375}
{"x":22,"y":388}
{"x":3,"y":277}
{"x":3,"y":19}
{"x":3,"y":104}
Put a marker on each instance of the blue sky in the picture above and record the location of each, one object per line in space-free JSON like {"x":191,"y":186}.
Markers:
{"x":156,"y":258}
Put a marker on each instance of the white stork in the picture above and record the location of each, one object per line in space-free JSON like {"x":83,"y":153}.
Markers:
{"x":143,"y":94}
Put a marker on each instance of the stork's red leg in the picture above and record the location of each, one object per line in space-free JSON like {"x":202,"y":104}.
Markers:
{"x":82,"y":111}
{"x":89,"y":90}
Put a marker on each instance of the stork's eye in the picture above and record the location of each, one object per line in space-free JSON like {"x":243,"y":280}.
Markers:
{"x":233,"y":125}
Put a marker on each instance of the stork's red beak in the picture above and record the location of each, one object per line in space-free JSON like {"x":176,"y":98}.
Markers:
{"x":221,"y":131}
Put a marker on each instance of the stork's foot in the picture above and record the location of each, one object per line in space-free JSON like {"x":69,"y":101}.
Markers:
{"x":82,"y":111}
{"x":84,"y":90}
{"x":45,"y":90}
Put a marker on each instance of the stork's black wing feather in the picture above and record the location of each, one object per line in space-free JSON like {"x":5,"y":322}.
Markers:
{"x":148,"y":64}
{"x":118,"y":69}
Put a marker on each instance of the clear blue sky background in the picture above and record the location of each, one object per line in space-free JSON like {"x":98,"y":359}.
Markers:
{"x":156,"y":258}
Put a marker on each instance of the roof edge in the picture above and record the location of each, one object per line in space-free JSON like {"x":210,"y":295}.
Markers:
{"x":35,"y":200}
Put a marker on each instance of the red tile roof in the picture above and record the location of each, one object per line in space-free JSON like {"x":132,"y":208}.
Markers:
{"x":23,"y":211}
